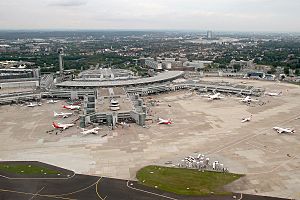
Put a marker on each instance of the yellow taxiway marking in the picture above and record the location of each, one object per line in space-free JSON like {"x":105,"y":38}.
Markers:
{"x":37,"y":193}
{"x":97,"y":190}
{"x":58,"y":196}
{"x":80,"y":190}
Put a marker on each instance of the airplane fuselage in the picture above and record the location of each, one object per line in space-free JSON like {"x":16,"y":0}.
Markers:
{"x":61,"y":126}
{"x":284,"y":130}
{"x":71,"y":107}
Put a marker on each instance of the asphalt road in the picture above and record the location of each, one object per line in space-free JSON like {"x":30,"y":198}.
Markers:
{"x":85,"y":187}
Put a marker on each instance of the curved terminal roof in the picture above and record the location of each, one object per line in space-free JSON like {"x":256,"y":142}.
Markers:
{"x":163,"y":76}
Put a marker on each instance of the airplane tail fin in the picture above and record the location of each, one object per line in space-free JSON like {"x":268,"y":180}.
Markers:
{"x":54,"y":125}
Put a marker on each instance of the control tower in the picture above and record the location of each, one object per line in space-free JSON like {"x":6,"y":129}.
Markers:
{"x":61,"y":64}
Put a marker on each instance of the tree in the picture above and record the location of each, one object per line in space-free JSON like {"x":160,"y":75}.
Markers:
{"x":222,"y":66}
{"x":237,"y":67}
{"x":272,"y":71}
{"x":286,"y":70}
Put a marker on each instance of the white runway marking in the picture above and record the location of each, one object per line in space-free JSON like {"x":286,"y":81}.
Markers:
{"x":150,"y":192}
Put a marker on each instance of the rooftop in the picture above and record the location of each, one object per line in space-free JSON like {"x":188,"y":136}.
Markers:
{"x":164,"y":76}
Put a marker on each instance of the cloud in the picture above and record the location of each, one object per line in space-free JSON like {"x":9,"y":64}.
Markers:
{"x":69,"y":3}
{"x":242,"y":15}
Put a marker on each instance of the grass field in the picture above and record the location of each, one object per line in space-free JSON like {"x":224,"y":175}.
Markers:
{"x":26,"y":169}
{"x":186,"y":181}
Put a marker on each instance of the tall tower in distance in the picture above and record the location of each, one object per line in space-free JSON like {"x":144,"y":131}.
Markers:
{"x":209,"y":35}
{"x":61,"y":63}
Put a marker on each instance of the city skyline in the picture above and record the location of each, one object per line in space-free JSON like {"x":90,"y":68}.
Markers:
{"x":216,"y":15}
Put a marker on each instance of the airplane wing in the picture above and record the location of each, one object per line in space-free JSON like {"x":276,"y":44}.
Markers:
{"x":280,"y":131}
{"x":83,"y":132}
{"x":67,"y":126}
{"x":204,"y":95}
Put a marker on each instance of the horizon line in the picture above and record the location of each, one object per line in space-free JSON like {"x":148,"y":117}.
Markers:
{"x":144,"y":30}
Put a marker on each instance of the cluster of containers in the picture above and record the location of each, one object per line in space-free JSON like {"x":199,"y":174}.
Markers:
{"x":202,"y":162}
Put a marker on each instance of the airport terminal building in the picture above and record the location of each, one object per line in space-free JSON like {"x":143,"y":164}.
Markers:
{"x":114,"y":96}
{"x":106,"y":98}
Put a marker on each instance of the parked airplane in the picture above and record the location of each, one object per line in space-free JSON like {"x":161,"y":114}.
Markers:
{"x":33,"y":104}
{"x":91,"y":131}
{"x":273,"y":93}
{"x":248,"y":119}
{"x":71,"y":107}
{"x":74,"y":103}
{"x":247,"y":99}
{"x":164,"y":121}
{"x":283,"y":130}
{"x":215,"y":96}
{"x":63,"y":126}
{"x":62,"y":114}
{"x":52,"y":101}
{"x":124,"y":124}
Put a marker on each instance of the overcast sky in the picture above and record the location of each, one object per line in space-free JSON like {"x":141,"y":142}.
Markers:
{"x":218,"y":15}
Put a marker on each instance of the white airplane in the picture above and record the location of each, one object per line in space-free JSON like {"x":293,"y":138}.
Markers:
{"x":52,"y":101}
{"x":283,"y":130}
{"x":272,"y":94}
{"x":31,"y":105}
{"x":216,"y":96}
{"x":62,"y":114}
{"x":91,"y":131}
{"x":63,"y":126}
{"x":71,"y":107}
{"x":124,"y":124}
{"x":247,"y":99}
{"x":164,"y":121}
{"x":248,"y":119}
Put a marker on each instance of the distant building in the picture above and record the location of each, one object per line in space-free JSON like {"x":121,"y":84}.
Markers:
{"x":167,"y":65}
{"x":177,"y":64}
{"x":197,"y":64}
{"x":8,"y":74}
{"x":15,"y":64}
{"x":209,"y":35}
{"x":19,"y":78}
{"x":104,"y":74}
{"x":170,"y":59}
{"x":151,"y":63}
{"x":242,"y":63}
{"x":255,"y":75}
{"x":270,"y":77}
{"x":166,"y":62}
